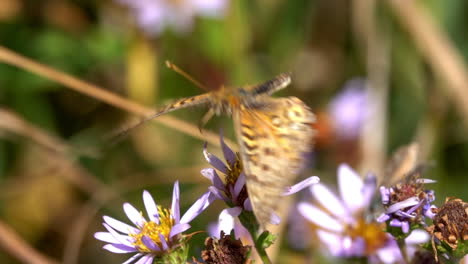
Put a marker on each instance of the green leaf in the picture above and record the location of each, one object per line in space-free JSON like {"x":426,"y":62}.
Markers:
{"x":266,"y":239}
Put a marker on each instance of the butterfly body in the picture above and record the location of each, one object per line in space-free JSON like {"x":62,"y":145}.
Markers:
{"x":274,"y":135}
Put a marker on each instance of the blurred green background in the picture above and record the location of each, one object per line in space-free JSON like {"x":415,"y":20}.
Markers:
{"x":61,"y":169}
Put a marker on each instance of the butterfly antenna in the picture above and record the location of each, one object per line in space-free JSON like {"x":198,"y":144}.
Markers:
{"x":173,"y":67}
{"x":120,"y":135}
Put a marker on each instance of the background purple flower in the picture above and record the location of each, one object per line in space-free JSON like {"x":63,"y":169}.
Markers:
{"x":349,"y":109}
{"x":153,"y":16}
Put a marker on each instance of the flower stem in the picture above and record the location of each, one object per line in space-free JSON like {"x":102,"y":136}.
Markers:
{"x":402,"y":246}
{"x":262,"y":253}
{"x":249,"y":221}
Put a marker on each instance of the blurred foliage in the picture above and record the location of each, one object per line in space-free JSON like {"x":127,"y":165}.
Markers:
{"x":253,"y":41}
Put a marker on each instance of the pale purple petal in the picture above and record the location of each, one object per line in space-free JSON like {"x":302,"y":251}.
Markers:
{"x":148,"y":242}
{"x":350,"y":185}
{"x":124,"y":240}
{"x":425,"y":181}
{"x":395,"y":223}
{"x":119,"y":248}
{"x":146,"y":259}
{"x":211,"y":174}
{"x":368,"y":189}
{"x":247,"y":205}
{"x":151,"y":207}
{"x":134,"y":215}
{"x":301,"y":185}
{"x":199,"y":206}
{"x":106,"y":237}
{"x":385,"y":194}
{"x":354,"y":247}
{"x":163,"y":242}
{"x":241,"y":232}
{"x":403,"y":204}
{"x":214,"y":161}
{"x":213,"y":8}
{"x":133,"y":258}
{"x":120,"y":226}
{"x":229,"y":155}
{"x":332,"y":241}
{"x":175,"y":207}
{"x":405,"y":227}
{"x":238,"y":186}
{"x":389,"y":254}
{"x":213,"y":230}
{"x":178,"y":228}
{"x":383,"y":218}
{"x":318,"y":217}
{"x":328,"y":200}
{"x":217,"y":193}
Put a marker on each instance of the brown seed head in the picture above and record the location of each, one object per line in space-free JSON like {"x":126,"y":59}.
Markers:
{"x":451,"y":222}
{"x":225,"y":250}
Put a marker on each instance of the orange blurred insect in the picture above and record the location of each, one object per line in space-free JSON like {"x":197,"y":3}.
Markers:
{"x":273,"y":134}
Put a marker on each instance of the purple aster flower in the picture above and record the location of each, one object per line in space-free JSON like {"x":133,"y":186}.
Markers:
{"x":232,"y":189}
{"x":153,"y":16}
{"x":342,"y":225}
{"x":407,"y":203}
{"x":349,"y":109}
{"x":152,"y":237}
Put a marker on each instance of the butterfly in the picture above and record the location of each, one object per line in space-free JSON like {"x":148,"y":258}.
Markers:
{"x":274,"y":134}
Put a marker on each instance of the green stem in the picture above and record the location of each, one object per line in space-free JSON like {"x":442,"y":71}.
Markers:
{"x":402,"y":246}
{"x":262,"y":253}
{"x":250,"y":223}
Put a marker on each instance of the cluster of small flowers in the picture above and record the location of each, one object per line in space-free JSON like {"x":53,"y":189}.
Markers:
{"x":160,"y":238}
{"x":342,"y":222}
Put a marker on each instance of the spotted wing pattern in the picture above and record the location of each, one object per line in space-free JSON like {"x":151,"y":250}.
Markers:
{"x":273,"y":142}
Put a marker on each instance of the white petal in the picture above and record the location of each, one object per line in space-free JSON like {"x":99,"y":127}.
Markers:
{"x":425,"y":181}
{"x":301,"y":185}
{"x":134,"y":215}
{"x":226,"y":219}
{"x":328,"y":200}
{"x":214,"y":8}
{"x":175,"y":208}
{"x":151,"y":208}
{"x":120,"y":226}
{"x":106,"y":237}
{"x":350,"y":185}
{"x":115,"y":249}
{"x":146,"y":259}
{"x":132,"y":259}
{"x":319,"y":217}
{"x":418,"y":236}
{"x":389,"y":254}
{"x":332,"y":241}
{"x":124,"y":240}
{"x":404,"y":204}
{"x":199,"y":206}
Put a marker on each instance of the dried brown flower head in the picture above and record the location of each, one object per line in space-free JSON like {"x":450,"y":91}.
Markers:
{"x":225,"y":250}
{"x":451,"y":222}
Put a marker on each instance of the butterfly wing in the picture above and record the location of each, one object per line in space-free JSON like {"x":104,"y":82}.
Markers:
{"x":273,"y":142}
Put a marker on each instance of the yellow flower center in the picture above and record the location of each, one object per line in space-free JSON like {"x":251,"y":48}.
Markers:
{"x":152,"y":230}
{"x":234,"y":171}
{"x":372,"y":233}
